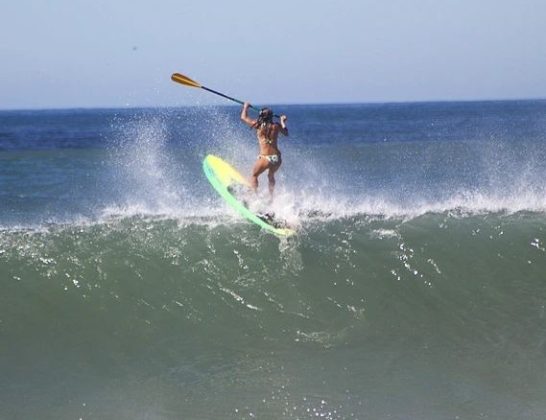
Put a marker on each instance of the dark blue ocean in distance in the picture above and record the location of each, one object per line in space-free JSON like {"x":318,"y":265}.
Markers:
{"x":357,"y":123}
{"x":415,"y":287}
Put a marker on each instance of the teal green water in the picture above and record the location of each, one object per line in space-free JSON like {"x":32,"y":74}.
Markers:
{"x":435,"y":317}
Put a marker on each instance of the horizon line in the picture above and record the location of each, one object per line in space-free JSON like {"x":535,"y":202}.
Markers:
{"x":129,"y":107}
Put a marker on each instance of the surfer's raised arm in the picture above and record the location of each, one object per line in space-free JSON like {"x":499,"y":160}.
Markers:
{"x":244,"y":115}
{"x":284,"y":128}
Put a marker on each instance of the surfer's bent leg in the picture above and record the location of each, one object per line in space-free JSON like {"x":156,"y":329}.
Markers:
{"x":271,"y":177}
{"x":260,"y":166}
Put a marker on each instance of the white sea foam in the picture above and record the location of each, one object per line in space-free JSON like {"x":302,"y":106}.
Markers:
{"x":298,"y":208}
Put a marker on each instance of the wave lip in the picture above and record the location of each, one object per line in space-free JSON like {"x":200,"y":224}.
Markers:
{"x":298,"y":209}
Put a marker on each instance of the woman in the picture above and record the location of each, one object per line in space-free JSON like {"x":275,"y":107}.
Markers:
{"x":268,"y":133}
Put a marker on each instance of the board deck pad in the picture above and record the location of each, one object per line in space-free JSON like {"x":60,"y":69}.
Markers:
{"x":237,"y":192}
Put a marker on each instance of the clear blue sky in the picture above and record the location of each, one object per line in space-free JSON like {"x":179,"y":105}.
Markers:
{"x":75,"y":53}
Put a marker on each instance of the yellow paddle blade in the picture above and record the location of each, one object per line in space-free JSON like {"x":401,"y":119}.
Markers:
{"x":185,"y":80}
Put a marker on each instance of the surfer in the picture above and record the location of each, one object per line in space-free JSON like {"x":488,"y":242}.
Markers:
{"x":267,"y":132}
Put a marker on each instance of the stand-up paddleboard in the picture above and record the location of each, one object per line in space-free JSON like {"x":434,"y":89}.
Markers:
{"x":225,"y":179}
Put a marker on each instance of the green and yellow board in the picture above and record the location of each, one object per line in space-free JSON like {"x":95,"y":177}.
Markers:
{"x":222,"y":176}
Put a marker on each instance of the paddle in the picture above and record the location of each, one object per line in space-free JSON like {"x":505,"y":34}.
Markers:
{"x":185,"y":80}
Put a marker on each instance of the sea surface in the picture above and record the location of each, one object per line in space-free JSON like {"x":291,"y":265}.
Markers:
{"x":415,"y":287}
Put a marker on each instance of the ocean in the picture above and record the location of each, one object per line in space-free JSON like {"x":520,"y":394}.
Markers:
{"x":415,"y":287}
